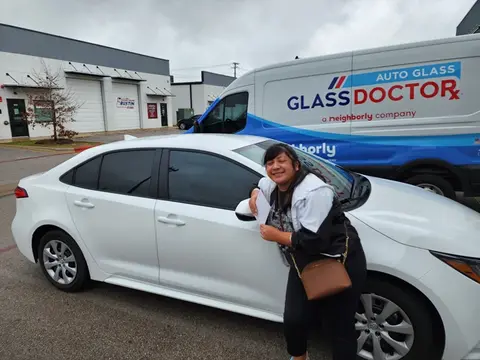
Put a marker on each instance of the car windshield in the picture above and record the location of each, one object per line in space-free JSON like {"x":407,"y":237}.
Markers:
{"x":334,"y":175}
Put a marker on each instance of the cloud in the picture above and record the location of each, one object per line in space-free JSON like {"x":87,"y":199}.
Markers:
{"x":213,"y":33}
{"x":374,"y":23}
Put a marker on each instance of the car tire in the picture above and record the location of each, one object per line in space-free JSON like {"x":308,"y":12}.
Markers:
{"x":75,"y":271}
{"x":410,"y":309}
{"x":182,"y":126}
{"x":434,"y":182}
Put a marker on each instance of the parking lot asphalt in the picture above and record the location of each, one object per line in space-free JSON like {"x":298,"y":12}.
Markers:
{"x":12,"y":171}
{"x":109,"y":322}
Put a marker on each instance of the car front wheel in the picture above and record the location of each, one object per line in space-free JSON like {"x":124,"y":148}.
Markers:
{"x":393,"y":323}
{"x":62,"y":261}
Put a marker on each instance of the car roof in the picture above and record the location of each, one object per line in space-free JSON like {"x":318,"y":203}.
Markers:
{"x":215,"y":143}
{"x":207,"y":142}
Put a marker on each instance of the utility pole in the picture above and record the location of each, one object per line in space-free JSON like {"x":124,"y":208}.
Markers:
{"x":235,"y":66}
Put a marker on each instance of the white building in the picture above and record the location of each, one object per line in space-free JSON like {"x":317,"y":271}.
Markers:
{"x":198,"y":95}
{"x":117,"y":90}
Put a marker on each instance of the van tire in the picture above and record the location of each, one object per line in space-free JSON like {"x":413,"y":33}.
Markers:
{"x":435,"y":182}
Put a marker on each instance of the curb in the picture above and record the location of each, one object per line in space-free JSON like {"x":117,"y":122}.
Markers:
{"x":123,"y":132}
{"x":37,"y":148}
{"x":84,"y":147}
{"x":33,"y":157}
{"x":7,"y":189}
{"x":65,"y":150}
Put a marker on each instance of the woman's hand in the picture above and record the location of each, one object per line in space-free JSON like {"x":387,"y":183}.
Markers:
{"x":269,"y":233}
{"x":253,"y":202}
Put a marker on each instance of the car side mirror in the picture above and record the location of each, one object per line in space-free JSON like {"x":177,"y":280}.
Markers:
{"x":243,"y":211}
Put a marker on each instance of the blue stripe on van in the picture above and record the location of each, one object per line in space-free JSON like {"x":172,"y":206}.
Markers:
{"x":370,"y":150}
{"x":256,"y":123}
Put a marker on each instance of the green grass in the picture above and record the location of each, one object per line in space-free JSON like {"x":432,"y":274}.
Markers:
{"x":51,"y":145}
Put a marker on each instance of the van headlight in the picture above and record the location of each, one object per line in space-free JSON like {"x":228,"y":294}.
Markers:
{"x":469,"y":267}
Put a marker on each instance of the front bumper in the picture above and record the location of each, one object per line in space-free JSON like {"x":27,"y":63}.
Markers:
{"x":457,"y":299}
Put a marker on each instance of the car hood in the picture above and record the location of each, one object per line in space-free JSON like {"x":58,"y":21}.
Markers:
{"x":416,"y":217}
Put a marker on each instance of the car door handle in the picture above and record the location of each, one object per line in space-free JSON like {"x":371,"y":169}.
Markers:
{"x":84,"y":204}
{"x":168,"y":220}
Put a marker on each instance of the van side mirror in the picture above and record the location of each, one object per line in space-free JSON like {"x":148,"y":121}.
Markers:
{"x":243,"y":211}
{"x":197,"y":128}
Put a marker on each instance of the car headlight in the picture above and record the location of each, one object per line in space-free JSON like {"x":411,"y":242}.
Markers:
{"x":467,"y":266}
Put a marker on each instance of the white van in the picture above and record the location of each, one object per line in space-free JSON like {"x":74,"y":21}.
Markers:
{"x":408,"y":112}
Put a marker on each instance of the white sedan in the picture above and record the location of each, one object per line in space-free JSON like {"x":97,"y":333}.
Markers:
{"x":169,"y":215}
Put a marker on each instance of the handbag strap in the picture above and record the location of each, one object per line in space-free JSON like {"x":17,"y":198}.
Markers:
{"x":345,"y":254}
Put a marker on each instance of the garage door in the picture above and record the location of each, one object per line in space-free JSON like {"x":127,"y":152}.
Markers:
{"x":88,"y":94}
{"x":127,"y":114}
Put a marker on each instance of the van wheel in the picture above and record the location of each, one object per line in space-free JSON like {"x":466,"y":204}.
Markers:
{"x":393,"y":322}
{"x":433,"y":183}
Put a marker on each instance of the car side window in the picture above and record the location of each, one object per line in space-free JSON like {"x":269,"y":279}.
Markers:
{"x":208,"y":180}
{"x":86,"y":175}
{"x":127,"y":172}
{"x":228,"y":116}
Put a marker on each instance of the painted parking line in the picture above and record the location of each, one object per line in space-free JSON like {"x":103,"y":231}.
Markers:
{"x":8,"y":248}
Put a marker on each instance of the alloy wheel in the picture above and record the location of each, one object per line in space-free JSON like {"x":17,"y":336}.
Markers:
{"x":384,"y":330}
{"x":59,"y":262}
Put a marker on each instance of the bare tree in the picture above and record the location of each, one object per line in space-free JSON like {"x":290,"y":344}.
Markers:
{"x":50,"y":105}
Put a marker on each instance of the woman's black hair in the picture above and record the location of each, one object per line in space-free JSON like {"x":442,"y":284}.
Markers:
{"x":276,"y":149}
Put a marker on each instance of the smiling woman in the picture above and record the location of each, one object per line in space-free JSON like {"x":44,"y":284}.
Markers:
{"x":307,"y":221}
{"x":332,"y":174}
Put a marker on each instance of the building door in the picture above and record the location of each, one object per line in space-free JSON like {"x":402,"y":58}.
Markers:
{"x":89,"y":118}
{"x":16,"y":108}
{"x":127,"y":111}
{"x":163,"y":114}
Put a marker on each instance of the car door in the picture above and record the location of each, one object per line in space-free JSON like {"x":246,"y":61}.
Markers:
{"x":112,"y":203}
{"x":204,"y":249}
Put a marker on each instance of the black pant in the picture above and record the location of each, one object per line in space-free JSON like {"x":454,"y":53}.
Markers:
{"x":337,"y":310}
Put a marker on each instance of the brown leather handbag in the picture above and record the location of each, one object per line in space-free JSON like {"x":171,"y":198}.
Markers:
{"x":325,"y":277}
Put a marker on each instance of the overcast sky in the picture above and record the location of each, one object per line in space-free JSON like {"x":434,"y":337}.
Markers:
{"x":210,"y":34}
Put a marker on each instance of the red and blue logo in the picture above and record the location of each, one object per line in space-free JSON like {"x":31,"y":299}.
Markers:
{"x":386,"y":85}
{"x":337,"y":82}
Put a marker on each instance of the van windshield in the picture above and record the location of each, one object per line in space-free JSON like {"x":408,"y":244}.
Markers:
{"x":339,"y":178}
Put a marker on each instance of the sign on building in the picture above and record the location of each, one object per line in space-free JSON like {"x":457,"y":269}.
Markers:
{"x":125,"y":102}
{"x":152,"y":110}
